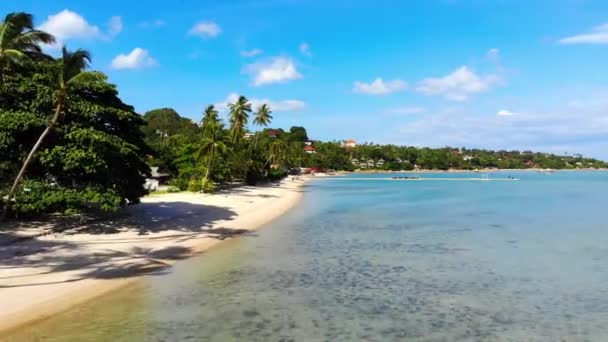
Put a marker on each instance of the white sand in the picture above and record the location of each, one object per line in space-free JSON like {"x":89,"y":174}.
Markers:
{"x":41,"y":277}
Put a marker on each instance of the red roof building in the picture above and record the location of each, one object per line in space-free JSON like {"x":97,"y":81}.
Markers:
{"x":310,"y":149}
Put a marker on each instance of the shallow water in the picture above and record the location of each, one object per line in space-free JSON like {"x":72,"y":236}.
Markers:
{"x":385,"y":261}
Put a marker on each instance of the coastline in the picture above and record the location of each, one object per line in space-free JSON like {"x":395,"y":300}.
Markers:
{"x":48,"y":275}
{"x":473,"y":171}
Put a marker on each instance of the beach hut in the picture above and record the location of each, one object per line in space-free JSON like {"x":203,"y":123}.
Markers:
{"x":156,"y":179}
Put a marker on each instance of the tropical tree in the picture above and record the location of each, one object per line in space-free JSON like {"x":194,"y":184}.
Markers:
{"x":212,"y":147}
{"x":19,"y":40}
{"x":278,"y":152}
{"x":239,"y":115}
{"x":70,"y":71}
{"x":262,"y":118}
{"x":210,"y":117}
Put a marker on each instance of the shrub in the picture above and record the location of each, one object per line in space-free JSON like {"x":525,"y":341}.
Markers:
{"x":35,"y":197}
{"x":181,"y":183}
{"x":195,"y":185}
{"x":208,"y":186}
{"x":276,"y":174}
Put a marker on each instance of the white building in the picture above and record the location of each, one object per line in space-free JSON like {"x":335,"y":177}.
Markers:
{"x":350,"y":143}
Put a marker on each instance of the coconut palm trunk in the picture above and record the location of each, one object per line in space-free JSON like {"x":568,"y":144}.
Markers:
{"x":72,"y":66}
{"x":209,"y":166}
{"x":30,"y":156}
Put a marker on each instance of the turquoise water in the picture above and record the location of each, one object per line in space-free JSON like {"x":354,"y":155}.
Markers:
{"x":385,"y":261}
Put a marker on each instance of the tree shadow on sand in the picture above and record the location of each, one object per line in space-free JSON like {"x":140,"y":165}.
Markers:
{"x":22,"y":261}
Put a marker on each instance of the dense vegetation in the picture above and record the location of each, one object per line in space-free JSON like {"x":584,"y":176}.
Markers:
{"x":201,"y":156}
{"x":69,"y":144}
{"x":67,"y":141}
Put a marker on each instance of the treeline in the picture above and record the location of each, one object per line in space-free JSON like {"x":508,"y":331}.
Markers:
{"x":391,"y":157}
{"x":202,"y":155}
{"x":199,"y":156}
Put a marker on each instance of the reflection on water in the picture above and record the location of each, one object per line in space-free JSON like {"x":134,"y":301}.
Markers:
{"x":384,"y":261}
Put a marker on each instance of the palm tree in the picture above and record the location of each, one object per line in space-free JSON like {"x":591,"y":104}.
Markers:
{"x":262,"y":118}
{"x":278,"y":152}
{"x":19,"y":41}
{"x":210,"y":115}
{"x":239,"y":115}
{"x":212,"y":146}
{"x":71,"y":71}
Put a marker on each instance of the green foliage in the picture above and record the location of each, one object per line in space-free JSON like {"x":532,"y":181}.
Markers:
{"x":298,"y":133}
{"x":164,"y":123}
{"x":208,"y":186}
{"x":239,"y":116}
{"x":93,"y":159}
{"x":37,"y":197}
{"x":276,"y":174}
{"x":195,"y":185}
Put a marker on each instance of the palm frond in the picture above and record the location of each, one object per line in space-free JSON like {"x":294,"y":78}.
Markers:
{"x":20,"y":20}
{"x":15,"y":56}
{"x":32,"y":38}
{"x":73,"y":63}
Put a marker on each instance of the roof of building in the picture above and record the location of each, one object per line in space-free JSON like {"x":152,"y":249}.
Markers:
{"x":155,"y":174}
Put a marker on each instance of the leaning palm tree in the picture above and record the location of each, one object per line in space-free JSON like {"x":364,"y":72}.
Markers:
{"x":239,"y":115}
{"x":71,"y":72}
{"x":210,"y":116}
{"x":262,"y":118}
{"x":212,"y":146}
{"x":19,"y":40}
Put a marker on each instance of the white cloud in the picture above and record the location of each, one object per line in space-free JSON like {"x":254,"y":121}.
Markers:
{"x":379,"y":87}
{"x":504,"y":112}
{"x":597,"y":35}
{"x":584,"y":131}
{"x":152,"y":24}
{"x":305,"y":49}
{"x":458,"y":85}
{"x":251,"y":53}
{"x":138,"y":58}
{"x":275,"y":106}
{"x":272,"y":70}
{"x":67,"y":25}
{"x":205,"y":29}
{"x":493,"y":54}
{"x":403,"y":111}
{"x":114,"y":26}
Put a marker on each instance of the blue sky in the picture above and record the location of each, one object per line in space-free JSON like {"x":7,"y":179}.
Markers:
{"x":490,"y":74}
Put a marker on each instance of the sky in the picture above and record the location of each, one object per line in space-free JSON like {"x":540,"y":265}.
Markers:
{"x":477,"y":73}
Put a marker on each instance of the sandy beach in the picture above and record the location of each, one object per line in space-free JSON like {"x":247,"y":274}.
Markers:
{"x":49,"y":274}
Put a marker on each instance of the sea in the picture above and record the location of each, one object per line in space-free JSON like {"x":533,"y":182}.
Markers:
{"x":364,"y":257}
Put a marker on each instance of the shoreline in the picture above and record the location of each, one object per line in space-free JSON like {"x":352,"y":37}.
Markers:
{"x":471,"y":171}
{"x":45,"y":276}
